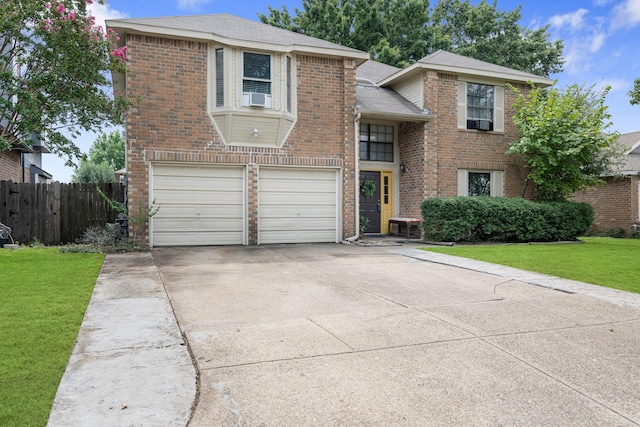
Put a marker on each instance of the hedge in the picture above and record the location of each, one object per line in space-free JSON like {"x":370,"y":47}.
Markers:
{"x":455,"y":219}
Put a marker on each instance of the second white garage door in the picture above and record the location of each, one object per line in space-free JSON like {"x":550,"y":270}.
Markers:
{"x":199,"y":205}
{"x":298,"y":205}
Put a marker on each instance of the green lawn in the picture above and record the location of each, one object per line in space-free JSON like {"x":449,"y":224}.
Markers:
{"x":43,"y":297}
{"x":601,"y":261}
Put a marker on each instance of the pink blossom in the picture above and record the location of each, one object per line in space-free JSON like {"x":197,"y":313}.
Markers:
{"x":72,"y":16}
{"x":90,"y":1}
{"x":60,"y":8}
{"x":47,"y":5}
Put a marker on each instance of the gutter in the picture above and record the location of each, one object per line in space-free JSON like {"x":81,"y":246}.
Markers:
{"x":356,"y":179}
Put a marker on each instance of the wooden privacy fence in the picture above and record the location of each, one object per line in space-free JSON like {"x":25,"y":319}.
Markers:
{"x":55,"y":213}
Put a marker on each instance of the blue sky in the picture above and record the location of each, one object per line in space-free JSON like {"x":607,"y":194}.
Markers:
{"x":601,"y":37}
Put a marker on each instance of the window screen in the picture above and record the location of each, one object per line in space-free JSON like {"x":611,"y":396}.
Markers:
{"x":257,"y":73}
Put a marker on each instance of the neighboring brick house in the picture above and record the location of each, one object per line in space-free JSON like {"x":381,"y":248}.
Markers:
{"x":250,"y":134}
{"x":23,"y":163}
{"x":617,"y":203}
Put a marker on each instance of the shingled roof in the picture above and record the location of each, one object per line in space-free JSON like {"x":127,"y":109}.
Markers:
{"x":229,"y":28}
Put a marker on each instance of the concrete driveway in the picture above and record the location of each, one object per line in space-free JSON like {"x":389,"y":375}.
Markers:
{"x":336,"y":335}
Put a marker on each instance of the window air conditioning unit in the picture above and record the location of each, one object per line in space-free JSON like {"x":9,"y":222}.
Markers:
{"x":484,"y":125}
{"x":256,"y":99}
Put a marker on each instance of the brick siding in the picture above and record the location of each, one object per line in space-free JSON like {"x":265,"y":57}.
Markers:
{"x":615,"y":204}
{"x":171,"y":123}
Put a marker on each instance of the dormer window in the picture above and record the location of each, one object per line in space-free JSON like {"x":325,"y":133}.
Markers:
{"x":256,"y":80}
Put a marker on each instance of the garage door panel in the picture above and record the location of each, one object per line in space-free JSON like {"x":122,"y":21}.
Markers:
{"x":278,"y":185}
{"x":199,"y":205}
{"x":182,"y":171}
{"x":178,"y":198}
{"x":185,"y":183}
{"x":298,"y":199}
{"x":275,"y":211}
{"x":297,"y":236}
{"x":297,"y":205}
{"x":198,"y":238}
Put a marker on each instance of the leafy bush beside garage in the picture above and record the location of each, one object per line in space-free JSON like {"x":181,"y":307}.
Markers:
{"x":455,"y":219}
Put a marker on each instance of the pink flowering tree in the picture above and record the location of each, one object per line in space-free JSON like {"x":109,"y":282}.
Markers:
{"x":55,"y":66}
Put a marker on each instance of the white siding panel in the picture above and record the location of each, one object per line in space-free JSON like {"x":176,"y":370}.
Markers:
{"x":298,"y":205}
{"x":199,"y":205}
{"x":412,"y":90}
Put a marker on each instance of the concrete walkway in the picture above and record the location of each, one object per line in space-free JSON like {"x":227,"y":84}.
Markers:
{"x":346,"y":335}
{"x":130,"y":365}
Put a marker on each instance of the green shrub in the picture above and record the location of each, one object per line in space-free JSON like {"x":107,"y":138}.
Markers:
{"x":503,"y":219}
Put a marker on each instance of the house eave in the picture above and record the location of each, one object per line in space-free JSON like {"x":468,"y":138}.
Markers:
{"x":466,"y":72}
{"x":400,"y":117}
{"x":137,"y":28}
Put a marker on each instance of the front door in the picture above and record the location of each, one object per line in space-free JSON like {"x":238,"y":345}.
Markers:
{"x":370,"y":200}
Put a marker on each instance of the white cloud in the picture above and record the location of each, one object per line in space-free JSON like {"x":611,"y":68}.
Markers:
{"x":579,"y":50}
{"x":617,"y":84}
{"x":574,"y":20}
{"x":601,"y":2}
{"x":103,"y":12}
{"x":191,"y":4}
{"x":626,"y":14}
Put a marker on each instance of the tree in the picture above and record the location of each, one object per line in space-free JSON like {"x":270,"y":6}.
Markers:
{"x":108,"y":149}
{"x":54,"y":64}
{"x":563,"y":140}
{"x":400,"y":32}
{"x":89,"y":172}
{"x":635,"y":93}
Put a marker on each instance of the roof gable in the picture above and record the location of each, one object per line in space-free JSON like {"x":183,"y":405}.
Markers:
{"x":461,"y":65}
{"x":233,"y":30}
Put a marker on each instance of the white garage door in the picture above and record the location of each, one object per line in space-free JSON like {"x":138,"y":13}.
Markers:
{"x":298,"y":205}
{"x":199,"y":205}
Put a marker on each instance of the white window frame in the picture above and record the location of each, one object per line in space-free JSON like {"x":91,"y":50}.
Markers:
{"x":246,"y":96}
{"x":497,"y":182}
{"x":498,"y":105}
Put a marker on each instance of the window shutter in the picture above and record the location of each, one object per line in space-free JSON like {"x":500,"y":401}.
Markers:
{"x":462,"y":105}
{"x":463,"y":182}
{"x":497,"y":184}
{"x":498,"y":109}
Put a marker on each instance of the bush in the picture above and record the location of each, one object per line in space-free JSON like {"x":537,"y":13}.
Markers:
{"x":107,"y":239}
{"x":502,"y":219}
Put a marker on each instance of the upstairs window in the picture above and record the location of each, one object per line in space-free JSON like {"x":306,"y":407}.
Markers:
{"x":480,"y":106}
{"x":256,"y":80}
{"x":376,"y":142}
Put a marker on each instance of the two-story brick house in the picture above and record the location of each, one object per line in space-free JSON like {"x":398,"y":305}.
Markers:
{"x":250,"y":134}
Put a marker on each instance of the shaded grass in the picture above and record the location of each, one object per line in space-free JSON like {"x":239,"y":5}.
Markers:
{"x":601,"y":261}
{"x":43,"y":297}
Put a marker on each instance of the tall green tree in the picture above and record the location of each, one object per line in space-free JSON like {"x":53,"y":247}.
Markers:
{"x":54,"y":63}
{"x":563,"y":139}
{"x":400,"y":32}
{"x":88,"y":172}
{"x":108,"y":149}
{"x":635,"y":93}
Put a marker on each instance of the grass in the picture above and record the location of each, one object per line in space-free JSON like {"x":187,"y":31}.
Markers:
{"x":43,"y":297}
{"x":601,"y":261}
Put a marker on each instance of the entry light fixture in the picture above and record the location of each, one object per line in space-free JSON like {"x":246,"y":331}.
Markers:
{"x":403,"y":168}
{"x":255,"y":132}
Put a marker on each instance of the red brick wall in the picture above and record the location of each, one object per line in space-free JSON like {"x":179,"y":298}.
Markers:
{"x":615,"y":204}
{"x":11,"y":169}
{"x":171,"y":122}
{"x":434,"y":151}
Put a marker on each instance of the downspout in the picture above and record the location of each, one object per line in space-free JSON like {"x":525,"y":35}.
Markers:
{"x":356,"y":139}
